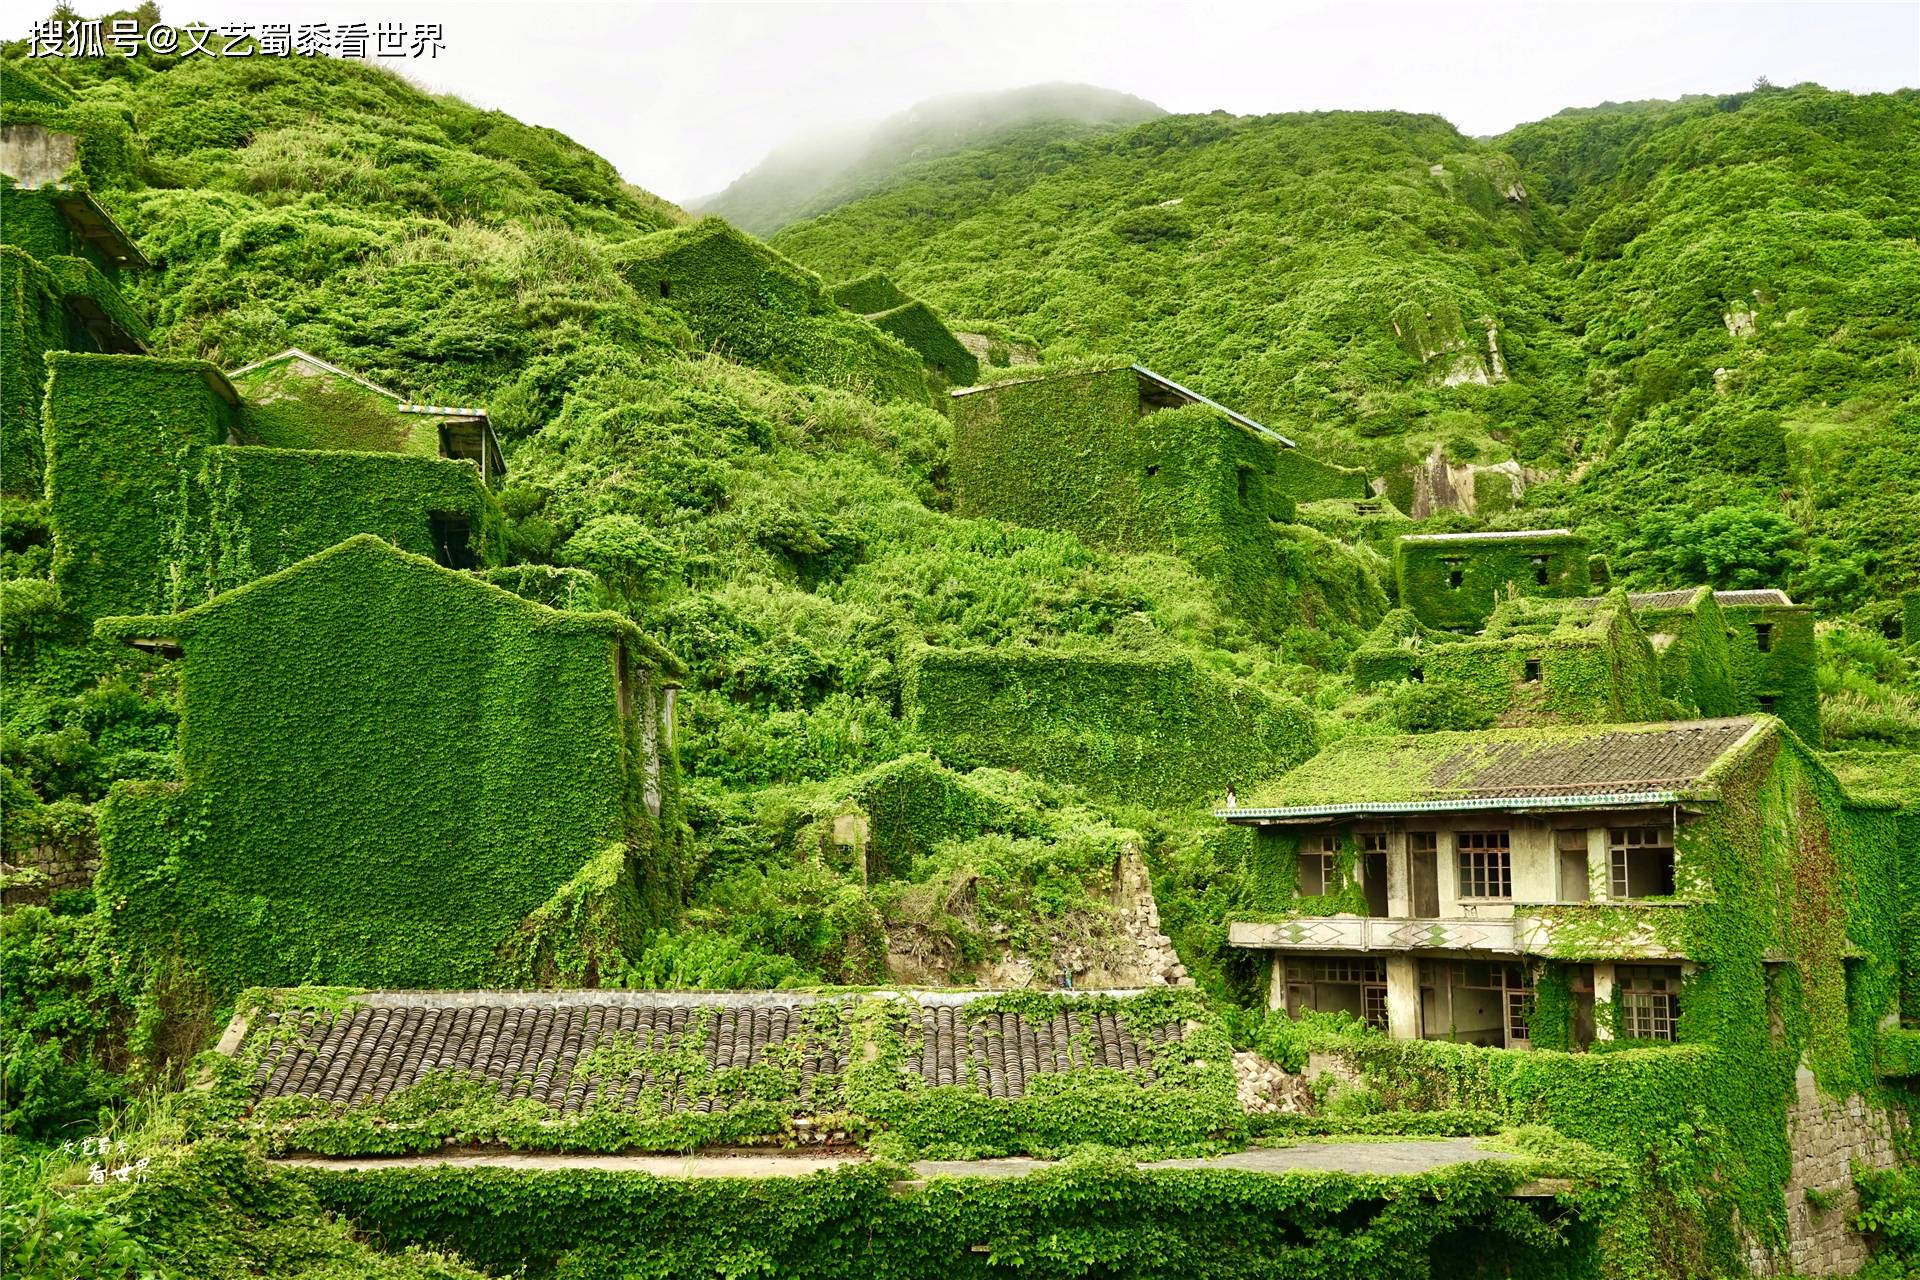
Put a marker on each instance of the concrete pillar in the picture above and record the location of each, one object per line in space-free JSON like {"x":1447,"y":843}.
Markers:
{"x":1399,"y":877}
{"x":1403,"y":997}
{"x":1276,"y":981}
{"x":1603,"y":1000}
{"x":1599,"y":865}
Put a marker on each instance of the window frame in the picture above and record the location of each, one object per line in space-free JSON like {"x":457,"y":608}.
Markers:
{"x":1484,"y":872}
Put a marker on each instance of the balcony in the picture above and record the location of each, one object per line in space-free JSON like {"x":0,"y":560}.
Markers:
{"x":1553,"y":931}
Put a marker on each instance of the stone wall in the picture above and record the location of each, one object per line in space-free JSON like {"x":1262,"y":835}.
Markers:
{"x":1829,"y":1136}
{"x":52,"y":865}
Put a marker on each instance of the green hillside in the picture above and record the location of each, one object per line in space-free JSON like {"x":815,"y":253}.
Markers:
{"x":913,"y":746}
{"x":1696,"y":305}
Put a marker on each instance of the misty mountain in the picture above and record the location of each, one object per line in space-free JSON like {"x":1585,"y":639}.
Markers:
{"x":817,"y":172}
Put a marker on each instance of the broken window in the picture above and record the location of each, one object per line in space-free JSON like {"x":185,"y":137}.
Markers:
{"x":1317,"y":856}
{"x":452,"y":539}
{"x":1641,"y":861}
{"x":1423,"y":870}
{"x":1486,"y":864}
{"x":1373,"y":871}
{"x":1572,"y":849}
{"x":1649,"y":1001}
{"x":1338,"y":984}
{"x":1475,"y":1002}
{"x":1763,"y":636}
{"x":1533,"y":671}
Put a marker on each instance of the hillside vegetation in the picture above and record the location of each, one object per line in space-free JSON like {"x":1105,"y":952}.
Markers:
{"x":1704,"y":311}
{"x":1693,"y":325}
{"x":821,"y":171}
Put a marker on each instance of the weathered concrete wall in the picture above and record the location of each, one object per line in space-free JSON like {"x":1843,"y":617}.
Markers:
{"x":1829,"y":1136}
{"x":34,"y":155}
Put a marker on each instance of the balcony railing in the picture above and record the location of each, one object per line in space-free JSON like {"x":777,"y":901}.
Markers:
{"x":1565,"y":931}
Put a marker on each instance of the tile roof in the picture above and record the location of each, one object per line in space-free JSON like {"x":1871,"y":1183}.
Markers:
{"x":575,"y":1049}
{"x":1568,"y":766}
{"x":1680,"y":599}
{"x":1497,"y":536}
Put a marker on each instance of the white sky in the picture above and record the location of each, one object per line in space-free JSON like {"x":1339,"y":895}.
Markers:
{"x":683,"y":97}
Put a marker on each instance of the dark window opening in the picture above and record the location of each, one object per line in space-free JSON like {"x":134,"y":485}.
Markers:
{"x":666,"y":289}
{"x":1572,"y":849}
{"x":1153,"y":469}
{"x":1423,"y":870}
{"x":1763,"y":636}
{"x":1455,"y":577}
{"x":452,"y":539}
{"x":1486,"y":1004}
{"x":1766,"y":703}
{"x":1373,"y":871}
{"x":1317,"y":859}
{"x":1533,"y":671}
{"x":1242,"y":481}
{"x":1336,"y":984}
{"x":1540,"y":570}
{"x":1418,"y":675}
{"x":1640,"y":862}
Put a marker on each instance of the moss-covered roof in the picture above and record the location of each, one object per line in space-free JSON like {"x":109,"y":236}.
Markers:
{"x":1566,"y":766}
{"x":164,"y":631}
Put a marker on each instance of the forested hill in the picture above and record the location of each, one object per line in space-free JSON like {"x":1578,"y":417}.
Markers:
{"x":1708,"y":332}
{"x":815,"y":173}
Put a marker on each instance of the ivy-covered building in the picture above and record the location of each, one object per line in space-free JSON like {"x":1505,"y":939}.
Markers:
{"x":1140,"y":726}
{"x":742,"y":299}
{"x":393,"y":773}
{"x":62,"y":259}
{"x":1129,"y":459}
{"x":882,"y":303}
{"x":1452,"y":581}
{"x":1658,"y":882}
{"x":167,"y":483}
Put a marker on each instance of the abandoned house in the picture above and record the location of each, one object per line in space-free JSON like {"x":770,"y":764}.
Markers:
{"x":62,"y":257}
{"x":1452,"y":581}
{"x":169,"y":481}
{"x":388,"y":766}
{"x":1430,"y":885}
{"x":1129,"y":459}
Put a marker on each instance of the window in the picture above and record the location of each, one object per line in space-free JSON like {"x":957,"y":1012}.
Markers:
{"x":1373,"y":872}
{"x":1533,"y":671}
{"x":1373,"y":1006}
{"x":1571,"y":846}
{"x":1455,"y":575}
{"x":1640,"y":862}
{"x":1519,"y":1013}
{"x":1242,"y":481}
{"x":1540,"y":570}
{"x":1153,"y":469}
{"x":666,"y":289}
{"x":1763,"y":636}
{"x":1418,"y":675}
{"x":452,"y":539}
{"x":1317,"y":855}
{"x":1766,"y":703}
{"x":1423,"y":873}
{"x":1649,"y":1001}
{"x":1486,"y":864}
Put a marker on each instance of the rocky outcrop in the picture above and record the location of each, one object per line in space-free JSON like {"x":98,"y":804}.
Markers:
{"x":1267,"y":1088}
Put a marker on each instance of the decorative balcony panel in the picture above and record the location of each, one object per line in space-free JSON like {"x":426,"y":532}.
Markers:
{"x":1587,"y":931}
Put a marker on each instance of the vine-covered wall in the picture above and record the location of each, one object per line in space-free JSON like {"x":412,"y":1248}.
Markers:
{"x":1583,"y":668}
{"x":744,"y":300}
{"x":1785,"y":672}
{"x":1153,"y":729}
{"x":152,"y":510}
{"x":914,"y":323}
{"x":1696,"y":666}
{"x":387,"y":767}
{"x":1488,"y":569}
